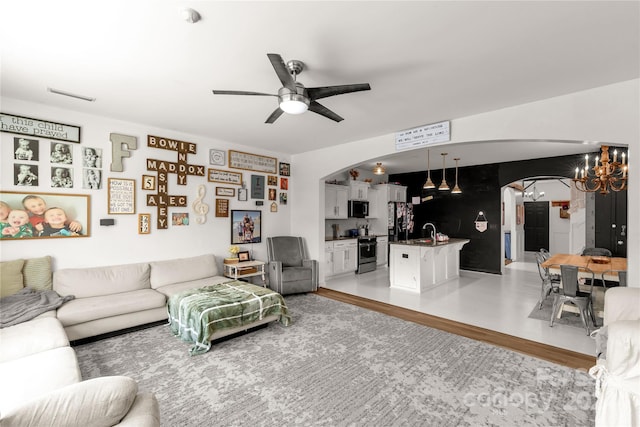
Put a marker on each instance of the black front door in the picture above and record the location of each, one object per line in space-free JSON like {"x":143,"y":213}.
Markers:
{"x":611,"y":222}
{"x":536,"y":226}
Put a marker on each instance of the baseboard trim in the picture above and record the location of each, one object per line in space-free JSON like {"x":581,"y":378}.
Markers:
{"x":546,"y":352}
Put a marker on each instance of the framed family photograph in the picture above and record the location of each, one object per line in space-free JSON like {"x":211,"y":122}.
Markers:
{"x":26,"y":149}
{"x":244,"y":256}
{"x":91,"y":157}
{"x":61,"y":153}
{"x":285,"y":169}
{"x":25,"y":175}
{"x":45,"y":215}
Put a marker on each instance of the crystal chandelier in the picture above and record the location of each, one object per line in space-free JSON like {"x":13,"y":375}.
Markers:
{"x":604,"y":176}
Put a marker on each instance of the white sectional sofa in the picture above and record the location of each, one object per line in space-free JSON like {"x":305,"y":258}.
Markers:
{"x":40,"y":380}
{"x":117,"y":297}
{"x":617,"y":372}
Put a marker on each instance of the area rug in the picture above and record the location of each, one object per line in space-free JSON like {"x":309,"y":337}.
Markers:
{"x":342,"y":365}
{"x":568,"y":318}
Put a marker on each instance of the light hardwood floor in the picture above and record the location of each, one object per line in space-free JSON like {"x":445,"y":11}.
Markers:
{"x":487,"y":307}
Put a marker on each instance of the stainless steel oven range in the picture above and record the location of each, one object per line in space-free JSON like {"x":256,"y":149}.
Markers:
{"x":366,"y":254}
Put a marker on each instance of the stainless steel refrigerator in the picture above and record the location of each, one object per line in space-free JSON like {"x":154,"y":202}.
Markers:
{"x":400,"y":220}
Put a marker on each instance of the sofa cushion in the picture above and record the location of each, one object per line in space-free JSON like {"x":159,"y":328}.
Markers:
{"x":170,"y":290}
{"x":37,"y":273}
{"x":294,"y":274}
{"x":182,"y":270}
{"x":31,"y":337}
{"x":32,"y":376}
{"x":11,"y":278}
{"x":101,"y":307}
{"x":98,"y":281}
{"x":97,"y":402}
{"x":145,"y":412}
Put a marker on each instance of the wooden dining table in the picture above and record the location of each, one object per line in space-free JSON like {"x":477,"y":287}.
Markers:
{"x":597,"y":264}
{"x":605,"y":268}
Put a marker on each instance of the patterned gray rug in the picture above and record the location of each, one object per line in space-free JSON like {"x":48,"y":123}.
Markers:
{"x":341,"y":365}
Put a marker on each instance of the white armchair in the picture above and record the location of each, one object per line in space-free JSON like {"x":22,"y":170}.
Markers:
{"x":617,"y":371}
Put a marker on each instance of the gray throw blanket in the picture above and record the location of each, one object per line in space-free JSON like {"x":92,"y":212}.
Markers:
{"x":27,"y":304}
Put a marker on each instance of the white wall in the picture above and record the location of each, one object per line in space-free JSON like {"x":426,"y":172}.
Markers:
{"x":121,"y":243}
{"x":559,"y":228}
{"x":609,"y":113}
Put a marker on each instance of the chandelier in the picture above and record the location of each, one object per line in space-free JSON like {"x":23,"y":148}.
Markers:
{"x":604,"y":176}
{"x":533,"y":195}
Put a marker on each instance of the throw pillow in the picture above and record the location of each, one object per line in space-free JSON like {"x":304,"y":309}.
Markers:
{"x":11,"y":279}
{"x":37,"y":273}
{"x":98,"y":402}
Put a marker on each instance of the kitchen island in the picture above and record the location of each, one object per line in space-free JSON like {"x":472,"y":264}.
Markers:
{"x":417,"y":265}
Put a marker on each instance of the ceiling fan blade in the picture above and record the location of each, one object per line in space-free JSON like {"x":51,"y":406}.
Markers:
{"x":276,"y":113}
{"x":281,"y":70}
{"x":324,"y":111}
{"x":240,"y":92}
{"x":325,"y":91}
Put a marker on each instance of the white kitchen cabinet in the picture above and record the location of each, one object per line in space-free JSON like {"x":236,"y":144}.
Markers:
{"x":382,"y":250}
{"x":328,"y":259}
{"x":341,"y":257}
{"x":358,"y":190}
{"x":336,"y":200}
{"x":394,"y":193}
{"x":374,"y":203}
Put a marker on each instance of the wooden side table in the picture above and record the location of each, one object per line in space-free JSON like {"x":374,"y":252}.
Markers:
{"x":246,"y":269}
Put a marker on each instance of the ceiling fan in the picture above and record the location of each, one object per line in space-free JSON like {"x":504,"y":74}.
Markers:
{"x":293,"y":97}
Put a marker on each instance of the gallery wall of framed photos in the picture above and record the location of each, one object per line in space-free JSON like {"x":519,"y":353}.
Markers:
{"x":198,"y":209}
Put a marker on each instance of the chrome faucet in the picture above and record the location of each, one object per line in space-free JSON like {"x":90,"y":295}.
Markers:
{"x":433,"y":234}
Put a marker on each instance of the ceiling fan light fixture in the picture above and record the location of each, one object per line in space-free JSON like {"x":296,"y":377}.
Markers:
{"x":293,"y":103}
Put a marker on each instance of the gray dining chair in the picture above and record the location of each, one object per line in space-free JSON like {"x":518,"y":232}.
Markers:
{"x":622,"y":277}
{"x":596,"y":252}
{"x":571,"y":293}
{"x":550,"y":282}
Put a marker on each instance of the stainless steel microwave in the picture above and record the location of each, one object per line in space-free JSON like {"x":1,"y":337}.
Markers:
{"x":358,"y":209}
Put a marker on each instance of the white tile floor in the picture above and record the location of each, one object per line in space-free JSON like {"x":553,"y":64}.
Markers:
{"x":498,"y":302}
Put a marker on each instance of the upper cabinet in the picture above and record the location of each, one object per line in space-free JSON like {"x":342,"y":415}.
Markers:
{"x":395,"y":193}
{"x":336,"y":199}
{"x":358,"y":190}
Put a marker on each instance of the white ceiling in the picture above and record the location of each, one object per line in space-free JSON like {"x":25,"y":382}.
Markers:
{"x":426,"y":62}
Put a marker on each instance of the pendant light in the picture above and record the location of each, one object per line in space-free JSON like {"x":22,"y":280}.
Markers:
{"x":443,"y":185}
{"x":428,"y":184}
{"x":456,"y":189}
{"x":378,"y":169}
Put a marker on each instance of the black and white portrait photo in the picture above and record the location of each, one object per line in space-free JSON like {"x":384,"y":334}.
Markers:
{"x":25,"y":149}
{"x":61,"y":177}
{"x":91,"y":157}
{"x":25,"y":174}
{"x":91,"y":179}
{"x":61,"y":153}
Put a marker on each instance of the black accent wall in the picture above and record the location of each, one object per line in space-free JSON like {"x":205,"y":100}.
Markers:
{"x":455,"y":214}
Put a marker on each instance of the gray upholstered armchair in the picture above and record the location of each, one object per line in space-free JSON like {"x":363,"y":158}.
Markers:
{"x":289,"y":270}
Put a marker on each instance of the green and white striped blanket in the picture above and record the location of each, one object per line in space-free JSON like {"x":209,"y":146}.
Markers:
{"x":195,"y":315}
